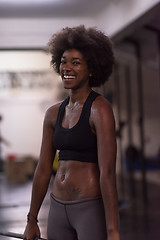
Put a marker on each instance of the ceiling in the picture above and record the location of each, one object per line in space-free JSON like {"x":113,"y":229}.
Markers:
{"x":142,"y":35}
{"x":74,"y":8}
{"x":142,"y":28}
{"x":50,"y":8}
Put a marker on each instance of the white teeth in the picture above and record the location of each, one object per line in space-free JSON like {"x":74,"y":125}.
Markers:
{"x":67,"y":77}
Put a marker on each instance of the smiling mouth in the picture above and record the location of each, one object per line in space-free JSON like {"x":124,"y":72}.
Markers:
{"x":68,"y":77}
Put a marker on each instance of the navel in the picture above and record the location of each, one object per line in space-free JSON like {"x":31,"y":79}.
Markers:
{"x":62,"y":177}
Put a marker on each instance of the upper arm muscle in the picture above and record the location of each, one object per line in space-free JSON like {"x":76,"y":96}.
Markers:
{"x":104,"y":123}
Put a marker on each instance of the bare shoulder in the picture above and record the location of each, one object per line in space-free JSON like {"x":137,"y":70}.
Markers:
{"x":101,"y":106}
{"x":101,"y":111}
{"x":51,"y":114}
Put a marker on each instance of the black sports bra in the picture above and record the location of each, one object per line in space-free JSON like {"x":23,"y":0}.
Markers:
{"x":78,"y":143}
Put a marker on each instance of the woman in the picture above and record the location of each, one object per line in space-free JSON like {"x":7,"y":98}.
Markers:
{"x":84,"y":201}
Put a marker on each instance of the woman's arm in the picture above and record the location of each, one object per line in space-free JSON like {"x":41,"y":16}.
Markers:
{"x":42,"y":174}
{"x":104,"y":123}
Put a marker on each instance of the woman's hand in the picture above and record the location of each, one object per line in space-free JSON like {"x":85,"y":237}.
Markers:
{"x":113,"y":236}
{"x":32,"y":231}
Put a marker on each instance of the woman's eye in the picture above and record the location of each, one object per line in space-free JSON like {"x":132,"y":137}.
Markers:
{"x":76,"y":63}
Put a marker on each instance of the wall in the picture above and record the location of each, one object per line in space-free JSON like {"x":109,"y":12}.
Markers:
{"x":22,"y":106}
{"x":34,"y":33}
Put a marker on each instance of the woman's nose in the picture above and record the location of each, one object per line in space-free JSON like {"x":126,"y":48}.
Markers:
{"x":67,"y":67}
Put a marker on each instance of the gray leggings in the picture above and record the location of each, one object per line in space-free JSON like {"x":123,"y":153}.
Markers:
{"x":76,"y":220}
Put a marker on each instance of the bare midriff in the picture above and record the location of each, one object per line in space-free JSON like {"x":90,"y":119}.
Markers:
{"x":76,"y":180}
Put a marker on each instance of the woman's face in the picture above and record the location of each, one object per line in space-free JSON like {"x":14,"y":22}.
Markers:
{"x":73,"y":69}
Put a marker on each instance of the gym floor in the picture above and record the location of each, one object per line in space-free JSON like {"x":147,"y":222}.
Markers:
{"x":139,"y":209}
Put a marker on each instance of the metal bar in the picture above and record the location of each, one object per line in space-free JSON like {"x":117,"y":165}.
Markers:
{"x":157,"y":32}
{"x":17,"y":235}
{"x":129,"y":104}
{"x":137,"y":47}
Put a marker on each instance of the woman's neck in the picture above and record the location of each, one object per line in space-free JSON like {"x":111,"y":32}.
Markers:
{"x":79,"y":95}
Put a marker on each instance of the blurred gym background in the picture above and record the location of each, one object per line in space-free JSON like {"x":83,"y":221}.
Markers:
{"x":28,"y":86}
